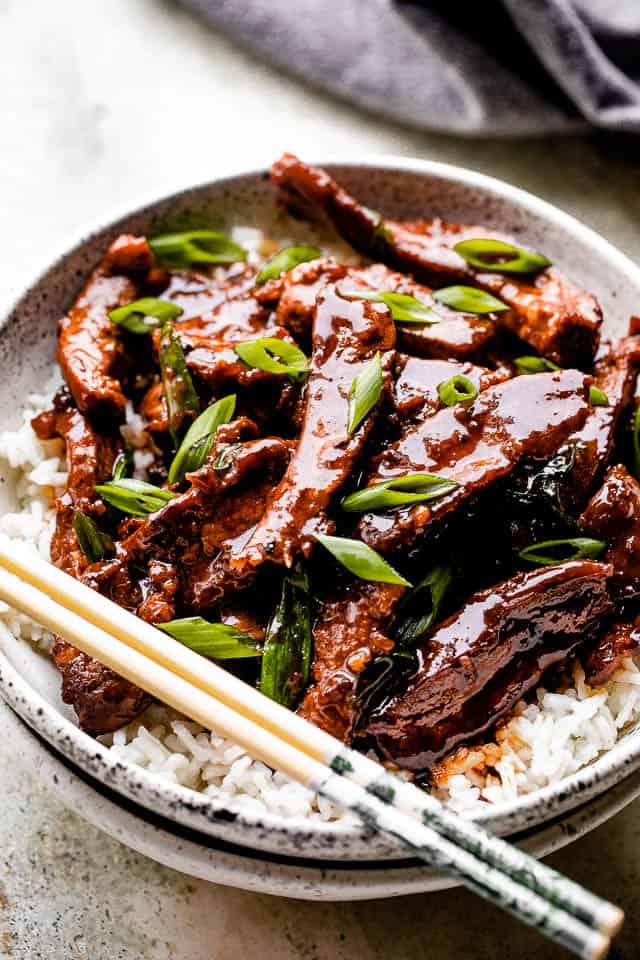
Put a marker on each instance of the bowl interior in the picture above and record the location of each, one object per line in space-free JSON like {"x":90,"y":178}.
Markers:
{"x":398,"y":188}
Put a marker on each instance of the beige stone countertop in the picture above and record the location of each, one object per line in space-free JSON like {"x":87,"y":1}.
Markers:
{"x":105,"y":103}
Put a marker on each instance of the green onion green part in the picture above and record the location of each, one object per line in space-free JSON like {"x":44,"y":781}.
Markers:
{"x":420,"y":608}
{"x":597,"y":397}
{"x":286,"y":260}
{"x":457,"y":389}
{"x":500,"y":257}
{"x":196,"y":246}
{"x":179,"y":391}
{"x":216,"y":640}
{"x":557,"y":551}
{"x":403,"y":308}
{"x":361,"y":560}
{"x":535,"y":365}
{"x":365,"y":392}
{"x":397,"y":492}
{"x":198,"y":440}
{"x":286,"y":657}
{"x":143,"y":316}
{"x":122,"y":465}
{"x":94,"y":544}
{"x":261,"y":354}
{"x":469,"y":300}
{"x":134,"y":497}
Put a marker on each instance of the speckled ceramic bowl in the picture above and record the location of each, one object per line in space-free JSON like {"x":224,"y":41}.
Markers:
{"x":400,"y":188}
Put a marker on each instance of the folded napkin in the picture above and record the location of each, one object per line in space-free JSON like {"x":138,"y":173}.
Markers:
{"x":504,"y":67}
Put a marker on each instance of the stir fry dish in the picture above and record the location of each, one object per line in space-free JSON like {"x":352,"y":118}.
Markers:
{"x":396,"y":493}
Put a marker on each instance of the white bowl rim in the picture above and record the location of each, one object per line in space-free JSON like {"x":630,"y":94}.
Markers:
{"x":538,"y":806}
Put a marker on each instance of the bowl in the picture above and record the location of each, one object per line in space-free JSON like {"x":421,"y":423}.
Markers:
{"x":398,"y":187}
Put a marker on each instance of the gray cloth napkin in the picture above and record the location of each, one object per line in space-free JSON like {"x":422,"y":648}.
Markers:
{"x":503,"y":67}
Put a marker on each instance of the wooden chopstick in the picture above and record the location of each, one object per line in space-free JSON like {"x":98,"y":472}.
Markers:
{"x":197,"y":687}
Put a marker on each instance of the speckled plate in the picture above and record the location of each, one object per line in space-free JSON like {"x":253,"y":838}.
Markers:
{"x":206,"y":858}
{"x":397,"y":187}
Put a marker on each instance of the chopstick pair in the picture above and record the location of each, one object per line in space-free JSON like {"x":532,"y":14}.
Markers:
{"x":502,"y":874}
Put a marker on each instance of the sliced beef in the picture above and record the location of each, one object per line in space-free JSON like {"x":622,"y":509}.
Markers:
{"x":549,"y":312}
{"x":220,"y":508}
{"x":90,"y":348}
{"x":613,"y":515}
{"x":475,"y":445}
{"x":610,"y":651}
{"x":521,"y":624}
{"x":415,"y":390}
{"x":90,"y":456}
{"x":351,"y":629}
{"x":199,"y":295}
{"x":347,"y":335}
{"x":102,"y":700}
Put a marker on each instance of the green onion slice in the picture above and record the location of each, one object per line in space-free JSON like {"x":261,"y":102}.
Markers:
{"x":468,"y":300}
{"x":217,"y":640}
{"x":142,"y":316}
{"x":457,"y":389}
{"x":636,"y":442}
{"x":198,"y":440}
{"x":286,"y":658}
{"x":122,"y":465}
{"x":261,"y":354}
{"x":410,"y":488}
{"x":365,"y":392}
{"x":361,"y":560}
{"x":94,"y":544}
{"x":557,"y":551}
{"x":134,"y":497}
{"x":403,"y":308}
{"x":500,"y":257}
{"x":196,"y":246}
{"x":597,"y":397}
{"x":535,"y":365}
{"x":420,"y":608}
{"x":285,"y":260}
{"x":179,"y":391}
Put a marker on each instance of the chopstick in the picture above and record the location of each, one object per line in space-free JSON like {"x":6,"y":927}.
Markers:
{"x":539,"y":896}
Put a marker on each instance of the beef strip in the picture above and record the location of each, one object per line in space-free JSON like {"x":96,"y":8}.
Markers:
{"x":102,"y":700}
{"x":613,"y":515}
{"x":458,"y":335}
{"x":549,"y":312}
{"x":346,"y":335}
{"x":609,"y":652}
{"x":459,"y":688}
{"x":90,"y":348}
{"x":218,"y":509}
{"x":475,"y":445}
{"x":90,"y":456}
{"x":199,"y":295}
{"x":415,"y":390}
{"x":351,"y":629}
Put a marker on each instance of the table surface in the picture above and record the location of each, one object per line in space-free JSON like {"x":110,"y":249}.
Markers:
{"x":107,"y":103}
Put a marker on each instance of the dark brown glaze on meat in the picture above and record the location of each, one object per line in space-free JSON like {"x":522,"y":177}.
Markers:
{"x":610,"y":651}
{"x":198,"y":295}
{"x":351,"y":629}
{"x":415,"y":390}
{"x":102,"y":700}
{"x":537,"y":616}
{"x":90,"y":457}
{"x":613,"y":515}
{"x":90,"y":349}
{"x":558,"y":319}
{"x":346,"y":336}
{"x":475,"y":445}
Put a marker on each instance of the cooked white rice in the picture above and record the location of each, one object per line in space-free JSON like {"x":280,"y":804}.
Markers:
{"x":542,"y":743}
